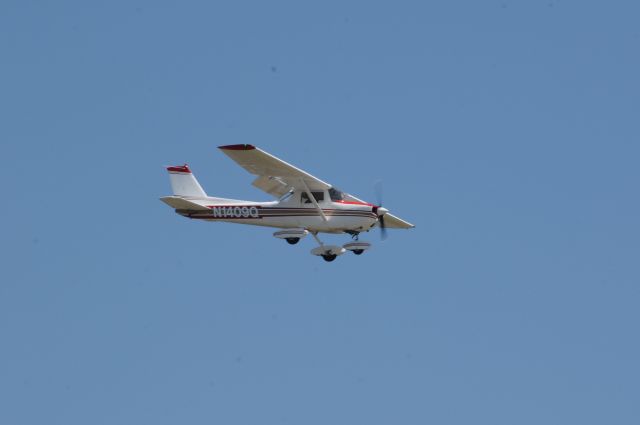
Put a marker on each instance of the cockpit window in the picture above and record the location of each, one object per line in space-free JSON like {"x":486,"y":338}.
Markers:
{"x":335,"y":194}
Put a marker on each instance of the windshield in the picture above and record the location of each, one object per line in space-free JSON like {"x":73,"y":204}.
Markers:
{"x":335,"y":194}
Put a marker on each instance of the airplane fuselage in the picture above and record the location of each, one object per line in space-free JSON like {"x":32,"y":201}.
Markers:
{"x":336,"y":217}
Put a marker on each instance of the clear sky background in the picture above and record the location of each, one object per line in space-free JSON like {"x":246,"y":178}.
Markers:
{"x":507,"y":131}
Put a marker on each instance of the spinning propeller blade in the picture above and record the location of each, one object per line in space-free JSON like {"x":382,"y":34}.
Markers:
{"x":383,"y":229}
{"x":380,"y":210}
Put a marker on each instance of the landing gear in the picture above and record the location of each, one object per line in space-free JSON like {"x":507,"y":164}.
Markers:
{"x":292,"y":236}
{"x":327,"y":252}
{"x":354,"y":235}
{"x":357,"y":247}
{"x":331,"y":252}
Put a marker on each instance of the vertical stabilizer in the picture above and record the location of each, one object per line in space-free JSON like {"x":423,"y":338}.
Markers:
{"x":184,"y":183}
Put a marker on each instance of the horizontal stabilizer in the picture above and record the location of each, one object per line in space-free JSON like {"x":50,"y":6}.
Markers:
{"x":182,"y":204}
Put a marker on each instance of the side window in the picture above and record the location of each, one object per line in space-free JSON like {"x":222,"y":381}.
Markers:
{"x":305,"y":199}
{"x":286,"y":196}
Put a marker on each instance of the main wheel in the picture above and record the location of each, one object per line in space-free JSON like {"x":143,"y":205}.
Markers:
{"x":329,"y":257}
{"x":293,"y":241}
{"x":358,"y":251}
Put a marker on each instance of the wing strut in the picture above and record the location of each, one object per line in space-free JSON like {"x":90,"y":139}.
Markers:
{"x":313,"y":199}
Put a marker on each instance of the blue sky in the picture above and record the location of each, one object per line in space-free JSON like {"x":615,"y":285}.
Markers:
{"x":506,"y":131}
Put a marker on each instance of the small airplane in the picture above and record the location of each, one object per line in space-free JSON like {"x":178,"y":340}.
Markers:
{"x":305,"y":204}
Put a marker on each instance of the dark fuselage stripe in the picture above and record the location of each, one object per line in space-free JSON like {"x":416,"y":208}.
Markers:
{"x":275,"y":214}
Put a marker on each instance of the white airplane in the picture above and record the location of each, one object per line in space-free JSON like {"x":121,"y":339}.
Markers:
{"x":305,"y":205}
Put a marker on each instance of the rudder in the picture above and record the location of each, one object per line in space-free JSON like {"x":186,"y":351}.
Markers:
{"x":184,"y":183}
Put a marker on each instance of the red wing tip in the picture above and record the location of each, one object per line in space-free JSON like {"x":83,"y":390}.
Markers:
{"x":180,"y":168}
{"x":237,"y":147}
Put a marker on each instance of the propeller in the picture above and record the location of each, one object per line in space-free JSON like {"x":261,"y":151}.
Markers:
{"x":378,"y":209}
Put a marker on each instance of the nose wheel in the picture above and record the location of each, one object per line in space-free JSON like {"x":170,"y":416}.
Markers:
{"x":358,"y":247}
{"x":329,"y":257}
{"x":327,"y":252}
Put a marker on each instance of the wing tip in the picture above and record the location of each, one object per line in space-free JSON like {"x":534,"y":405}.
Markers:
{"x":241,"y":147}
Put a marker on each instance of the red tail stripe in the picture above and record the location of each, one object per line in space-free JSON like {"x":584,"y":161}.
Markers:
{"x":180,"y":168}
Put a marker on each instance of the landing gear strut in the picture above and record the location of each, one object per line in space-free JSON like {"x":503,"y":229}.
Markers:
{"x":354,"y":235}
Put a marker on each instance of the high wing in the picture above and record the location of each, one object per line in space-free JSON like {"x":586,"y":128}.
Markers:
{"x":275,"y":176}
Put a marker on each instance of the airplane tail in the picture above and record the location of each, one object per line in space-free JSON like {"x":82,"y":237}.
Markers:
{"x":183,"y":182}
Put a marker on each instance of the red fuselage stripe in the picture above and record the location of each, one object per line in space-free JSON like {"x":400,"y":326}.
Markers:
{"x":353,"y":203}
